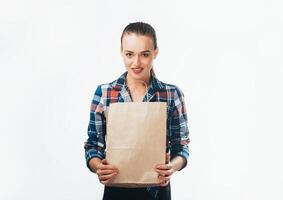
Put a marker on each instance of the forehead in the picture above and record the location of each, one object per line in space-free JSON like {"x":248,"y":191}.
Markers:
{"x":137,"y":43}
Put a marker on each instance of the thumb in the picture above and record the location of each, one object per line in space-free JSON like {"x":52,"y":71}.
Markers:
{"x":104,"y":162}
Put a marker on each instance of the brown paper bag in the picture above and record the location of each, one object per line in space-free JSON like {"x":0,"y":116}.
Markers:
{"x":136,"y":142}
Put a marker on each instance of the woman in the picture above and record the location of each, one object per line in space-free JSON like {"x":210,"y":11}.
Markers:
{"x":138,"y":49}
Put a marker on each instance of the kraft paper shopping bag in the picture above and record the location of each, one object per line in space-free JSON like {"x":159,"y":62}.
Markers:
{"x":136,"y":142}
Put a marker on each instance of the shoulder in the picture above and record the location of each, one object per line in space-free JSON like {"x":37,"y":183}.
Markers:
{"x":100,"y":89}
{"x":104,"y":86}
{"x":109,"y":92}
{"x":173,"y":90}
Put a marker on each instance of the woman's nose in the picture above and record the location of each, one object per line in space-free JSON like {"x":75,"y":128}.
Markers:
{"x":136,"y":61}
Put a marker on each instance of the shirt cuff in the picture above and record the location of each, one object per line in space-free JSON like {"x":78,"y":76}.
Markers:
{"x":184,"y":154}
{"x":92,"y":153}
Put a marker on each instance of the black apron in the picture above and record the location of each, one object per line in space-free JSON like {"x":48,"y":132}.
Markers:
{"x":119,"y":193}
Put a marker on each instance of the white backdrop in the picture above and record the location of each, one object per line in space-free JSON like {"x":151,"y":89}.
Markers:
{"x":226,"y":56}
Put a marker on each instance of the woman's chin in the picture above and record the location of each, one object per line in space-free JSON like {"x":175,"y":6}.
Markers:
{"x":136,"y":76}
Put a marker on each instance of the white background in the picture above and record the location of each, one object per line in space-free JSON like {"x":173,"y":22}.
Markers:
{"x":226,"y":56}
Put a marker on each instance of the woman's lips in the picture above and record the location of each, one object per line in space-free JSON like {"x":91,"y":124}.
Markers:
{"x":137,"y":70}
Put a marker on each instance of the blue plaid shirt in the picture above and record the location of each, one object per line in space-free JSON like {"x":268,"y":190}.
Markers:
{"x":117,"y":91}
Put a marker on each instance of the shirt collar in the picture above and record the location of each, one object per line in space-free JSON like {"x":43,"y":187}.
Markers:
{"x":155,"y":85}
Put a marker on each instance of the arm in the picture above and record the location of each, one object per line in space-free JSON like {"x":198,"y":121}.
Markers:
{"x":178,"y":140}
{"x":178,"y":129}
{"x":95,"y":144}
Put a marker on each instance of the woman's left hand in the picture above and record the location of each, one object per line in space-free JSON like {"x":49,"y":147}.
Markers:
{"x":165,"y":171}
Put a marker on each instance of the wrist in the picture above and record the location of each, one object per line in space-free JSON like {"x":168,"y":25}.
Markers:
{"x":177,"y":163}
{"x":94,"y":163}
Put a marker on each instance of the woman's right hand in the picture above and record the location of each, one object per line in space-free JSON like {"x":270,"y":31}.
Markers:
{"x":106,"y":172}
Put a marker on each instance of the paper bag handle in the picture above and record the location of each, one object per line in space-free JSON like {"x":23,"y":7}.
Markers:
{"x":144,"y":83}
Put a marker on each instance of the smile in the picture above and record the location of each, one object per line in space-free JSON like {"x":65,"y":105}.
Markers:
{"x":137,"y":70}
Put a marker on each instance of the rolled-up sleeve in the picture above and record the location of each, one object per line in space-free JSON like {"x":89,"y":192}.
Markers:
{"x":178,"y":128}
{"x":95,"y":144}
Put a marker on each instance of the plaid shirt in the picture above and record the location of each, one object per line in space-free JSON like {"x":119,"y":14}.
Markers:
{"x":117,"y":91}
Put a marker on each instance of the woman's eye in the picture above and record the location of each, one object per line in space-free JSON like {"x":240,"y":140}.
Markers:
{"x":128,"y":54}
{"x":145,"y":55}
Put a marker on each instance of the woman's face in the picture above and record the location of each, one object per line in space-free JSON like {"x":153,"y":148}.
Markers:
{"x":138,"y":54}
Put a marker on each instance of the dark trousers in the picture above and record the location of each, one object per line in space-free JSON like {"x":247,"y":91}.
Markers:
{"x":118,"y":193}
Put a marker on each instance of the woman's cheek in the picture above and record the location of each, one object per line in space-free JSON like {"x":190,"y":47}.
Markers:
{"x":127,"y":64}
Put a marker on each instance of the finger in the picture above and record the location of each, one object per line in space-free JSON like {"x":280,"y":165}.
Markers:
{"x":164,"y":167}
{"x":105,"y":172}
{"x":106,"y":167}
{"x":105,"y":180}
{"x":108,"y":176}
{"x":164,"y":178}
{"x":104,"y":161}
{"x":164,"y":172}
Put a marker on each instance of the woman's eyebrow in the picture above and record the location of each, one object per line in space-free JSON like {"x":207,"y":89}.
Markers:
{"x":145,"y":51}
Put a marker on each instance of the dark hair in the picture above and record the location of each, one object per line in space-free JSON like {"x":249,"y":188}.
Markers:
{"x":141,"y":28}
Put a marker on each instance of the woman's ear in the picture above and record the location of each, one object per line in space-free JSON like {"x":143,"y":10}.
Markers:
{"x":156,"y":52}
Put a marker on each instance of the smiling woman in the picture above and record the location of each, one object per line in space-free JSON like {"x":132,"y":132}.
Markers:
{"x":138,"y":52}
{"x":138,"y":49}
